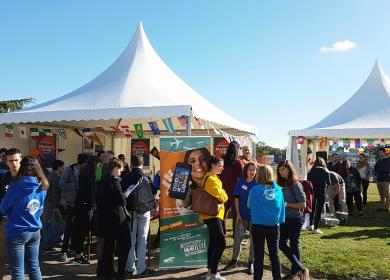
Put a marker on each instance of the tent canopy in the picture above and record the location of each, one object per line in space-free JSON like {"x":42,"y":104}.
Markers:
{"x":138,"y":87}
{"x":365,"y":114}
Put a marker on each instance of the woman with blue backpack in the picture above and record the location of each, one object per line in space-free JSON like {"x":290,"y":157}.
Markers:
{"x":295,"y":203}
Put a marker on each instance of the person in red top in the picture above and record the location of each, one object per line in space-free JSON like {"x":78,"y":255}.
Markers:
{"x":233,"y":171}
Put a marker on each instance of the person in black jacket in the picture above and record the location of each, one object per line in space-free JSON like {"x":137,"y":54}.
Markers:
{"x":382,"y":170}
{"x":353,"y":186}
{"x":335,"y":164}
{"x":319,"y":176}
{"x":113,"y":221}
{"x":83,"y":206}
{"x":136,"y":182}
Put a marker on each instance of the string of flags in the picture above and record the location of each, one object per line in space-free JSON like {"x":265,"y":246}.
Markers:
{"x":138,"y":130}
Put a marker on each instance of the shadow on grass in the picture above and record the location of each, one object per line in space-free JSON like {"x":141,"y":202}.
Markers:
{"x":361,"y":234}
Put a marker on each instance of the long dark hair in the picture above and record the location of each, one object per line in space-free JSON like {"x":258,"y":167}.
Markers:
{"x":319,"y":162}
{"x":246,"y":167}
{"x":292,"y":174}
{"x":205,"y":153}
{"x":344,"y":169}
{"x":90,"y":166}
{"x":29,"y":166}
{"x":231,"y":153}
{"x":111,"y":165}
{"x":213,"y":160}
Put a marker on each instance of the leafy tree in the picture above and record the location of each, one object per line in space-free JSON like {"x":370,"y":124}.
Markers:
{"x":263,"y":149}
{"x":14,"y":105}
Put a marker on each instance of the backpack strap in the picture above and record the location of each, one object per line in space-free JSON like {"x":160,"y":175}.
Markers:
{"x":131,"y":188}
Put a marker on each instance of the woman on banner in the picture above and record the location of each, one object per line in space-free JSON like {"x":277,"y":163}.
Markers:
{"x":198,"y":159}
{"x":233,"y":171}
{"x":217,"y":243}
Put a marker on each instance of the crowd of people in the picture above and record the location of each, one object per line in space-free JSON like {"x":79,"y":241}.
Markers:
{"x":102,"y":194}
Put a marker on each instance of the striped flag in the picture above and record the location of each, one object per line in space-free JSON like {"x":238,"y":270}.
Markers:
{"x":116,"y":129}
{"x":62,"y":133}
{"x":126,"y":131}
{"x":168,"y":124}
{"x":154,"y":128}
{"x":87,"y":132}
{"x":200,"y":123}
{"x":183,"y":120}
{"x":34,"y":133}
{"x":47,"y":132}
{"x":9,"y":131}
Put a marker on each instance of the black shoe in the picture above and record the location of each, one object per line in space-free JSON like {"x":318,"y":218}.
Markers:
{"x":250,"y":269}
{"x":81,"y":261}
{"x":146,"y":272}
{"x":232,"y":264}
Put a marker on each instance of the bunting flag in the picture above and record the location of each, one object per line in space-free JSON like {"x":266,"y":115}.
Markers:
{"x":34,"y":132}
{"x":47,"y":132}
{"x":154,"y":128}
{"x":22,"y":132}
{"x":183,"y":120}
{"x":346,"y":143}
{"x":382,"y":142}
{"x":352,"y":144}
{"x":300,"y":140}
{"x":126,"y":131}
{"x":216,"y":131}
{"x":370,"y":143}
{"x":96,"y":138}
{"x":357,"y":144}
{"x":9,"y":131}
{"x":62,"y":133}
{"x":87,"y":132}
{"x":139,"y":130}
{"x":116,"y":129}
{"x":168,"y":125}
{"x":364,"y":143}
{"x":200,"y":123}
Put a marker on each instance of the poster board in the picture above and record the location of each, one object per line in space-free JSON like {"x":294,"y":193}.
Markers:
{"x":141,"y":147}
{"x":220,"y":146}
{"x":184,"y":238}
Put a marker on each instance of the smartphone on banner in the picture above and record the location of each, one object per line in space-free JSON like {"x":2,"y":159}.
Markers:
{"x":180,"y":181}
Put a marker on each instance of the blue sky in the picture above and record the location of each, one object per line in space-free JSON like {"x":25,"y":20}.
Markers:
{"x":260,"y":61}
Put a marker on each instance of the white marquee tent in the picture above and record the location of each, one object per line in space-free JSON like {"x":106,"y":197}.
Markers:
{"x":138,"y":87}
{"x":365,"y":115}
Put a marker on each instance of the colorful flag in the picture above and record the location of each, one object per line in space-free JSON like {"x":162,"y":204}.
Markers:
{"x":346,"y":143}
{"x":154,"y":128}
{"x":96,"y":138}
{"x":116,"y":129}
{"x":183,"y":120}
{"x":168,"y":124}
{"x":9,"y":131}
{"x":22,"y":132}
{"x":200,"y":123}
{"x":87,"y":132}
{"x":62,"y":133}
{"x":126,"y":131}
{"x":47,"y":132}
{"x":34,"y":133}
{"x":370,"y":143}
{"x":357,"y":144}
{"x":139,"y":130}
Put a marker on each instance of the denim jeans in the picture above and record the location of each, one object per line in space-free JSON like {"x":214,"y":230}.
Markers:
{"x":24,"y":249}
{"x":139,"y":236}
{"x":239,"y":236}
{"x":3,"y":248}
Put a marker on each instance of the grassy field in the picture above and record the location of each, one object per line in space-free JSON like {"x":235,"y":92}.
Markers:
{"x":358,"y":250}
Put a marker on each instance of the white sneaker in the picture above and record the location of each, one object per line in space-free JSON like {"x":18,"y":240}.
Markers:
{"x":318,"y":231}
{"x":216,"y":277}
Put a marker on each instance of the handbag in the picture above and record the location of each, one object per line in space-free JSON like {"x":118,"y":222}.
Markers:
{"x":204,"y":203}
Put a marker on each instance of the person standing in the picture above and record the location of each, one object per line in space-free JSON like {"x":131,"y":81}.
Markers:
{"x":243,"y":220}
{"x":295,"y":203}
{"x":126,"y":168}
{"x":213,"y":186}
{"x":353,"y":186}
{"x":113,"y":222}
{"x":365,"y":173}
{"x":12,"y":158}
{"x":334,"y":165}
{"x":382,"y":170}
{"x":266,"y":204}
{"x":320,"y":178}
{"x":68,"y":184}
{"x":232,"y":172}
{"x":141,"y":217}
{"x":23,"y":204}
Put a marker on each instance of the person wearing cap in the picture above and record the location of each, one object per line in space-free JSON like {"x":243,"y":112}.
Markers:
{"x":382,"y":170}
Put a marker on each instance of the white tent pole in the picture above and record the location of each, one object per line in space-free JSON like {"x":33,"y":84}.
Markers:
{"x":189,"y":120}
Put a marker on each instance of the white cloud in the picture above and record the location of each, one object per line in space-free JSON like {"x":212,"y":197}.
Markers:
{"x":340,"y":46}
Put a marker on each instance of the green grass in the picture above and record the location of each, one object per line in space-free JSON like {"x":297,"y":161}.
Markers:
{"x":359,"y":250}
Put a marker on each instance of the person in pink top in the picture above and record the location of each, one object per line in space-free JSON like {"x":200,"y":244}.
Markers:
{"x":233,"y":171}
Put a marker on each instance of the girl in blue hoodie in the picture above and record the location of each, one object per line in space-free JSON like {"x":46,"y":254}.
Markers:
{"x":266,"y":205}
{"x":23,"y":203}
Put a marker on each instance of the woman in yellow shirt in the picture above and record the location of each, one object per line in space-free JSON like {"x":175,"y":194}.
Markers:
{"x":217,"y":244}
